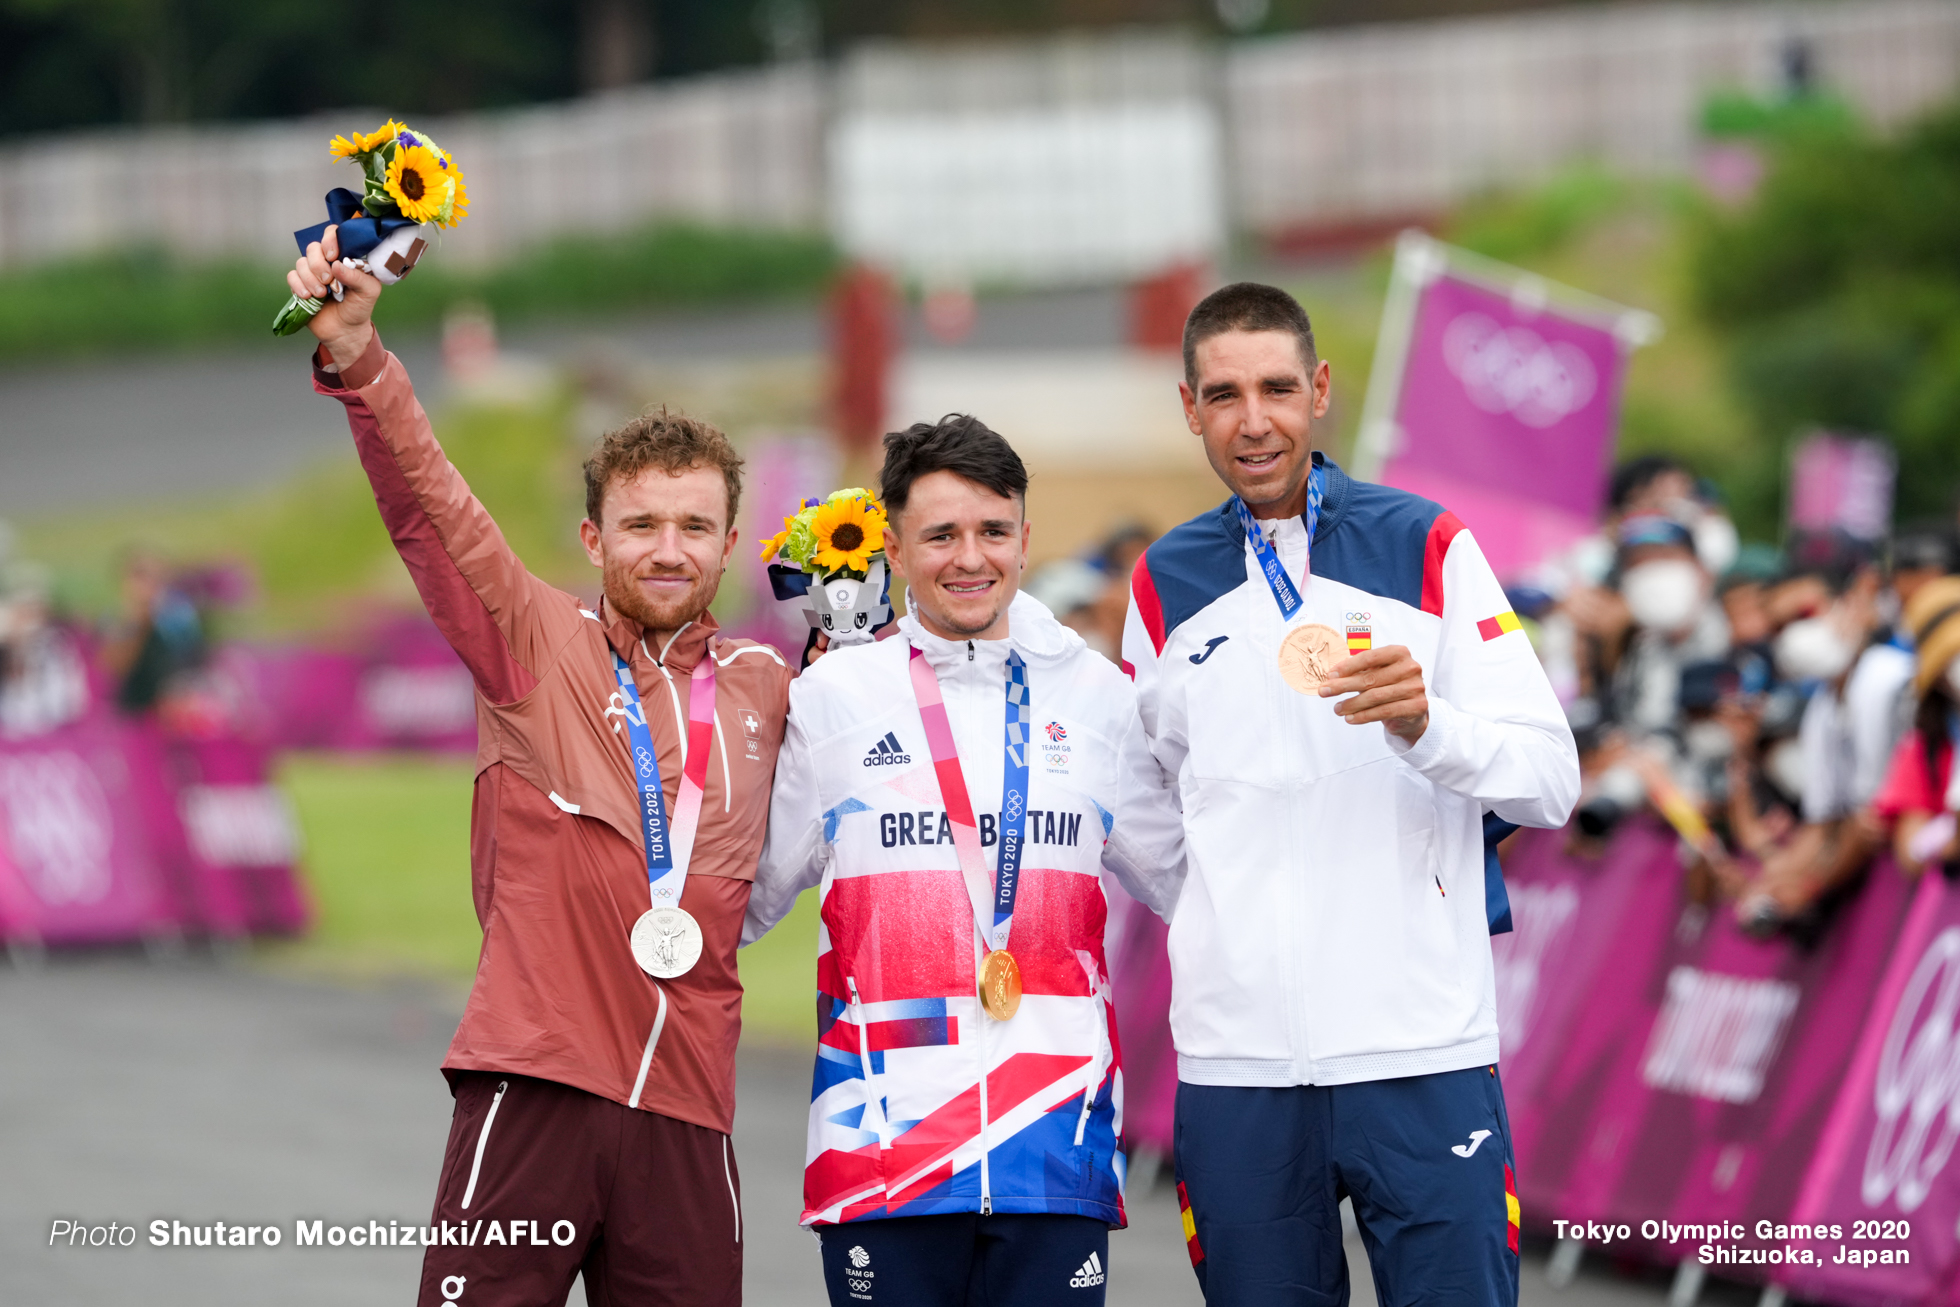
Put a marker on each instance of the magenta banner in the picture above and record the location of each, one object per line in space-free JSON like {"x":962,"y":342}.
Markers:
{"x":1883,"y":1173}
{"x":1506,"y":416}
{"x":1140,"y":982}
{"x":73,"y":813}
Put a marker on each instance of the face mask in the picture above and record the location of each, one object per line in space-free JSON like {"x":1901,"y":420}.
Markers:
{"x":1810,"y":649}
{"x":1783,"y":765}
{"x":1708,"y":741}
{"x":1716,"y":543}
{"x":1663,"y":595}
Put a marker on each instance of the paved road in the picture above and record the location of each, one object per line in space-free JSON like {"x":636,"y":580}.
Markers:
{"x":132,"y":1091}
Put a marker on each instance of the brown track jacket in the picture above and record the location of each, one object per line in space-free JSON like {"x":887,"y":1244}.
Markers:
{"x":557,"y":854}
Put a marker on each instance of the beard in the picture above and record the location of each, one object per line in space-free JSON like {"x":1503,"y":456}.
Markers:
{"x":671,"y":615}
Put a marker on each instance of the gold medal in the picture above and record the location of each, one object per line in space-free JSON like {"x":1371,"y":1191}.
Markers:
{"x":1000,"y":985}
{"x":1307,"y":656}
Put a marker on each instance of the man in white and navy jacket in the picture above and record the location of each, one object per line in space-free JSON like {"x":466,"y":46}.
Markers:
{"x":963,"y":1153}
{"x":1332,"y":673}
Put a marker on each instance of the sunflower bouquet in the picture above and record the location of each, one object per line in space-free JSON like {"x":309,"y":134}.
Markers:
{"x":831,"y":557}
{"x":408,"y":184}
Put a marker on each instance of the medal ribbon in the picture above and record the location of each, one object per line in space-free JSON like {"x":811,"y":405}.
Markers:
{"x":670,"y":847}
{"x":1006,"y":882}
{"x":1285,"y":593}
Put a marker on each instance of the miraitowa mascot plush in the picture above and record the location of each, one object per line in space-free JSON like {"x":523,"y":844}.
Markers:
{"x":846,"y":609}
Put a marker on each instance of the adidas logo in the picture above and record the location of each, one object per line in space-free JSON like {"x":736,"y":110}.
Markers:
{"x":1089,"y":1276}
{"x":887,"y":752}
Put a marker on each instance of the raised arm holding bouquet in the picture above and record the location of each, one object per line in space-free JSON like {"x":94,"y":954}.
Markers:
{"x":410,"y":185}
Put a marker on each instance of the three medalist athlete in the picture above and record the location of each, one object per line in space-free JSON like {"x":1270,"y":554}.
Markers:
{"x":613,"y":839}
{"x":1332,"y":672}
{"x":958,"y":789}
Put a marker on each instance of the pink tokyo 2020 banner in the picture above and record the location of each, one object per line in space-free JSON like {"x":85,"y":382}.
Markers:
{"x":1884,"y":1170}
{"x":1506,"y":415}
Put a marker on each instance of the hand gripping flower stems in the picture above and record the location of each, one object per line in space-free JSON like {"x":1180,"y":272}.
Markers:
{"x":408,"y":182}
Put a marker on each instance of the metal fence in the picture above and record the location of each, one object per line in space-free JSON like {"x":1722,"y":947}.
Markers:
{"x":1313,"y":129}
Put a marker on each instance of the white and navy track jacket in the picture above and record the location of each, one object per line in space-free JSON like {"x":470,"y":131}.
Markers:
{"x":921,"y":1104}
{"x":1332,"y":927}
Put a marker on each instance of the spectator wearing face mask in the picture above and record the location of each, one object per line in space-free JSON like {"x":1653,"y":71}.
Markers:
{"x":1916,"y":802}
{"x":1673,"y":622}
{"x":1850,"y":725}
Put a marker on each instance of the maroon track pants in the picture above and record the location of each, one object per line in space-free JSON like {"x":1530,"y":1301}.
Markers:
{"x":542,"y":1181}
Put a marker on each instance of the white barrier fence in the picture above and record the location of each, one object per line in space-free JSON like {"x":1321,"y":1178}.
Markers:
{"x":736,"y":149}
{"x":1389,"y":121}
{"x":1069,"y":159}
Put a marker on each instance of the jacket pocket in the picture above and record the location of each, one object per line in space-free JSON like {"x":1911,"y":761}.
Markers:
{"x":483,"y":1141}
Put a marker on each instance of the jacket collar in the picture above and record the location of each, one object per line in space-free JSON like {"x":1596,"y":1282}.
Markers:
{"x":1336,"y":489}
{"x":682,"y":650}
{"x":1031,"y":629}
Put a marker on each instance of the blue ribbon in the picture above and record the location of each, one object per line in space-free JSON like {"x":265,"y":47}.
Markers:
{"x":359,"y":234}
{"x":1013,"y":798}
{"x":646,"y":772}
{"x":1285,"y":593}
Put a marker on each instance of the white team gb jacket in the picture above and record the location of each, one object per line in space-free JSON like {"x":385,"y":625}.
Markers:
{"x":921,"y":1104}
{"x":1332,"y":928}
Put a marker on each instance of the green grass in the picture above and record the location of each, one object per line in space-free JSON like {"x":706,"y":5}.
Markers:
{"x":387,"y":859}
{"x":148,"y":300}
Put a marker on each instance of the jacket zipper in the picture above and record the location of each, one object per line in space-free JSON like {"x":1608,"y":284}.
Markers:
{"x":986,"y":1180}
{"x":986,"y":1175}
{"x":482,"y":1138}
{"x":1095,"y":1070}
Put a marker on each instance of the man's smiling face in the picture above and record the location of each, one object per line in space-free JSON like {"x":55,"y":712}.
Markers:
{"x":1254,"y":405}
{"x":663,"y":544}
{"x":961,"y":548}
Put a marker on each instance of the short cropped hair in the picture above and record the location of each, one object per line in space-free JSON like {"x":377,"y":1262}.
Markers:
{"x":672,"y":442}
{"x":1245,"y":306}
{"x":1636,"y":474}
{"x":958,"y":443}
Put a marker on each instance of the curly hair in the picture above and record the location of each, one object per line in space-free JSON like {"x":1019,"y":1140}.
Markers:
{"x":672,"y":442}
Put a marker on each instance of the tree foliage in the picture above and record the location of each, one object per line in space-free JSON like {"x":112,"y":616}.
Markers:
{"x":1838,"y":289}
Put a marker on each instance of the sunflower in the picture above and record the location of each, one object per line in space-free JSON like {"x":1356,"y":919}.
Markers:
{"x":342,"y":148}
{"x":457,"y":206}
{"x":417,"y":183}
{"x":848,"y":532}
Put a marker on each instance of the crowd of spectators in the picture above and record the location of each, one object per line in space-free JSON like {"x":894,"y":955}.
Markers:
{"x":53,"y":668}
{"x":1790,"y":712}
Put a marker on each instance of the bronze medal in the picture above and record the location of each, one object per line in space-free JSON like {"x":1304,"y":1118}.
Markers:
{"x":1308,"y":654}
{"x":1000,"y":985}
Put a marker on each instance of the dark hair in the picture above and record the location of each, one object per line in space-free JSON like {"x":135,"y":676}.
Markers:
{"x":1245,"y":306}
{"x":1636,"y":474}
{"x":672,"y":442}
{"x":958,"y":443}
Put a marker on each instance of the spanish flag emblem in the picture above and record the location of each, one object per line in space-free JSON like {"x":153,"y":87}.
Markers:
{"x":1191,"y":1243}
{"x":1360,"y":638}
{"x":1510,"y":1206}
{"x":1492,"y":627}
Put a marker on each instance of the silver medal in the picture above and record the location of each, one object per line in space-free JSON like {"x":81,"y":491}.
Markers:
{"x":666,"y":942}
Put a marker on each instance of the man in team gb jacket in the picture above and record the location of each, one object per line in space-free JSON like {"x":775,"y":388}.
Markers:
{"x":1332,"y":672}
{"x":957,"y":790}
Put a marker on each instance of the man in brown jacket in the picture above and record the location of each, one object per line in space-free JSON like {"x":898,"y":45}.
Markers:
{"x":593,"y":1097}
